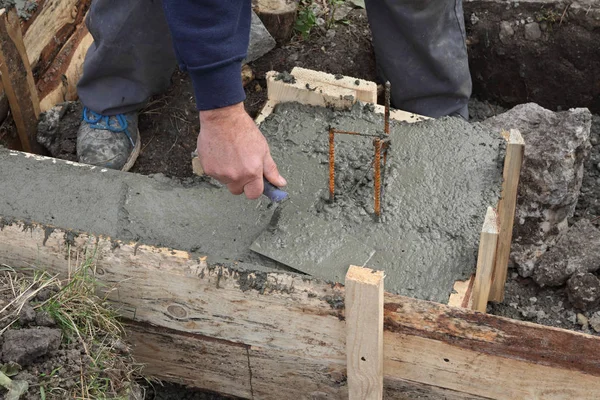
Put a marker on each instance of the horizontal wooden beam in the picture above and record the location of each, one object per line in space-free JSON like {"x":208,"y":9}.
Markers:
{"x":293,"y":331}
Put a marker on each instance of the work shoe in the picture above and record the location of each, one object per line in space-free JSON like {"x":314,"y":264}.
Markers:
{"x":108,"y":141}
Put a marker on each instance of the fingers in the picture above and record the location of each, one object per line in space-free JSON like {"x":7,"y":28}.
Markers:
{"x":271,"y":172}
{"x":254,"y":189}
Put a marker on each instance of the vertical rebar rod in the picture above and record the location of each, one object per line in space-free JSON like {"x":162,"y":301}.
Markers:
{"x":386,"y":116}
{"x":331,"y":164}
{"x":377,"y":179}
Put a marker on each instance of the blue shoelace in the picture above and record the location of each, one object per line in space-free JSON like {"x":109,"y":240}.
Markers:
{"x":99,"y":121}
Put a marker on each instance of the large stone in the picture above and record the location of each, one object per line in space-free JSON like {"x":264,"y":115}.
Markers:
{"x":576,"y":250}
{"x":506,"y":31}
{"x":261,"y":41}
{"x":24,"y":346}
{"x":533,"y":31}
{"x":583,"y":290}
{"x":556,"y":146}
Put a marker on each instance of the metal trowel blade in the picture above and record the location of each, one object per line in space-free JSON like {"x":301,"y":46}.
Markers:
{"x":310,"y":244}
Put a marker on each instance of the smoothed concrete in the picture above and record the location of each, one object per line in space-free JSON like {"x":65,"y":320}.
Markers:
{"x":442,"y":175}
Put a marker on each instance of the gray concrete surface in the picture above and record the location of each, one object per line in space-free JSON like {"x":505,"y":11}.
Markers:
{"x":442,"y":175}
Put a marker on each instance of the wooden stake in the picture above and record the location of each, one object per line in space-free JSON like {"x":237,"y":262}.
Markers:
{"x":18,"y":81}
{"x":364,"y":333}
{"x":506,"y":211}
{"x":485,"y":261}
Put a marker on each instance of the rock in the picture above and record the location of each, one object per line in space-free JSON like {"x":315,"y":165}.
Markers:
{"x":27,"y":315}
{"x":23,"y":346}
{"x":342,"y":11}
{"x":595,"y":321}
{"x":506,"y":31}
{"x":556,"y":146}
{"x":261,"y":41}
{"x":533,"y":31}
{"x":576,"y":250}
{"x":582,"y":320}
{"x":474,"y":19}
{"x":583,"y":289}
{"x":42,"y":318}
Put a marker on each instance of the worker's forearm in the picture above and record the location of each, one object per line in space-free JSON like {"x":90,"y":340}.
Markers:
{"x":211,"y":40}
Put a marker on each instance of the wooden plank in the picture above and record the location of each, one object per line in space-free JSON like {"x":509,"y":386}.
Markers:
{"x":308,"y":92}
{"x":295,"y":330}
{"x":364,"y":333}
{"x":192,"y":360}
{"x":18,"y":82}
{"x":506,"y":210}
{"x":462,"y":293}
{"x":365,"y":91}
{"x":486,"y":258}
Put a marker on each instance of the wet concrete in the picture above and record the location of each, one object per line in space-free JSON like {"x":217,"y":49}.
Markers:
{"x":24,"y":7}
{"x":442,"y":175}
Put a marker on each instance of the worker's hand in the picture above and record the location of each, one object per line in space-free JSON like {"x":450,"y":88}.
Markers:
{"x":232,"y":150}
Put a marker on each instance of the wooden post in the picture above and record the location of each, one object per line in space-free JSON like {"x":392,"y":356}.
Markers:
{"x":364,"y":333}
{"x":18,"y":81}
{"x":506,"y":211}
{"x":485,"y":261}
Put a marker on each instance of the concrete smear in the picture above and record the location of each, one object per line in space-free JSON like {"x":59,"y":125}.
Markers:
{"x":441,"y":177}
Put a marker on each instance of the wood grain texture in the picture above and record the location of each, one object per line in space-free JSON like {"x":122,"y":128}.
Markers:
{"x":486,"y":258}
{"x":294,"y":330}
{"x":278,"y":16}
{"x":18,"y":82}
{"x":53,"y":25}
{"x":60,"y":81}
{"x":364,"y":333}
{"x":365,"y":91}
{"x":506,"y":210}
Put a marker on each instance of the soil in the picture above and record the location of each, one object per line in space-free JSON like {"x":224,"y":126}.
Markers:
{"x":34,"y":347}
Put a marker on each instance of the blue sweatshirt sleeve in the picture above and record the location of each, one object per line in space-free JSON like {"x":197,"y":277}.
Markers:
{"x":211,"y":40}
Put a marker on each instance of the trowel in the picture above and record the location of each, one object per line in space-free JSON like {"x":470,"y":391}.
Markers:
{"x":307,"y":243}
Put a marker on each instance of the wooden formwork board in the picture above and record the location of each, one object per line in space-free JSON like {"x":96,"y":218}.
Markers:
{"x":282,"y":336}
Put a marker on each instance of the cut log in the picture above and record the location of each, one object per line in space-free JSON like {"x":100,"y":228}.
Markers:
{"x":60,"y":81}
{"x":278,"y":16}
{"x":53,"y":26}
{"x":18,"y":82}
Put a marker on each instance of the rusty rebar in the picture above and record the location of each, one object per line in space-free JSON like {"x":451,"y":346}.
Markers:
{"x":386,"y":116}
{"x":377,"y":178}
{"x":331,"y":164}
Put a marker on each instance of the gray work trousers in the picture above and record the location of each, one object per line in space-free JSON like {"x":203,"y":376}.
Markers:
{"x":419,"y":46}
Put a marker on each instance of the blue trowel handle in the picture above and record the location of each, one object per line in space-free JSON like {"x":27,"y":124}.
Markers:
{"x":274,"y":194}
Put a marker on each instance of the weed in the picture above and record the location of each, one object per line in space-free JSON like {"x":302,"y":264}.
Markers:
{"x":87,"y":320}
{"x":306,"y":20}
{"x":550,"y":16}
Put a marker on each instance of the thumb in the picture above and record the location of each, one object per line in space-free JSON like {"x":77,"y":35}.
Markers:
{"x":271,"y":172}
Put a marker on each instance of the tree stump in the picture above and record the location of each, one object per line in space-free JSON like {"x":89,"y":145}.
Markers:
{"x":278,"y":16}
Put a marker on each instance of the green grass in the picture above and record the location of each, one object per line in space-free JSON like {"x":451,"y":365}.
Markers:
{"x":84,"y":317}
